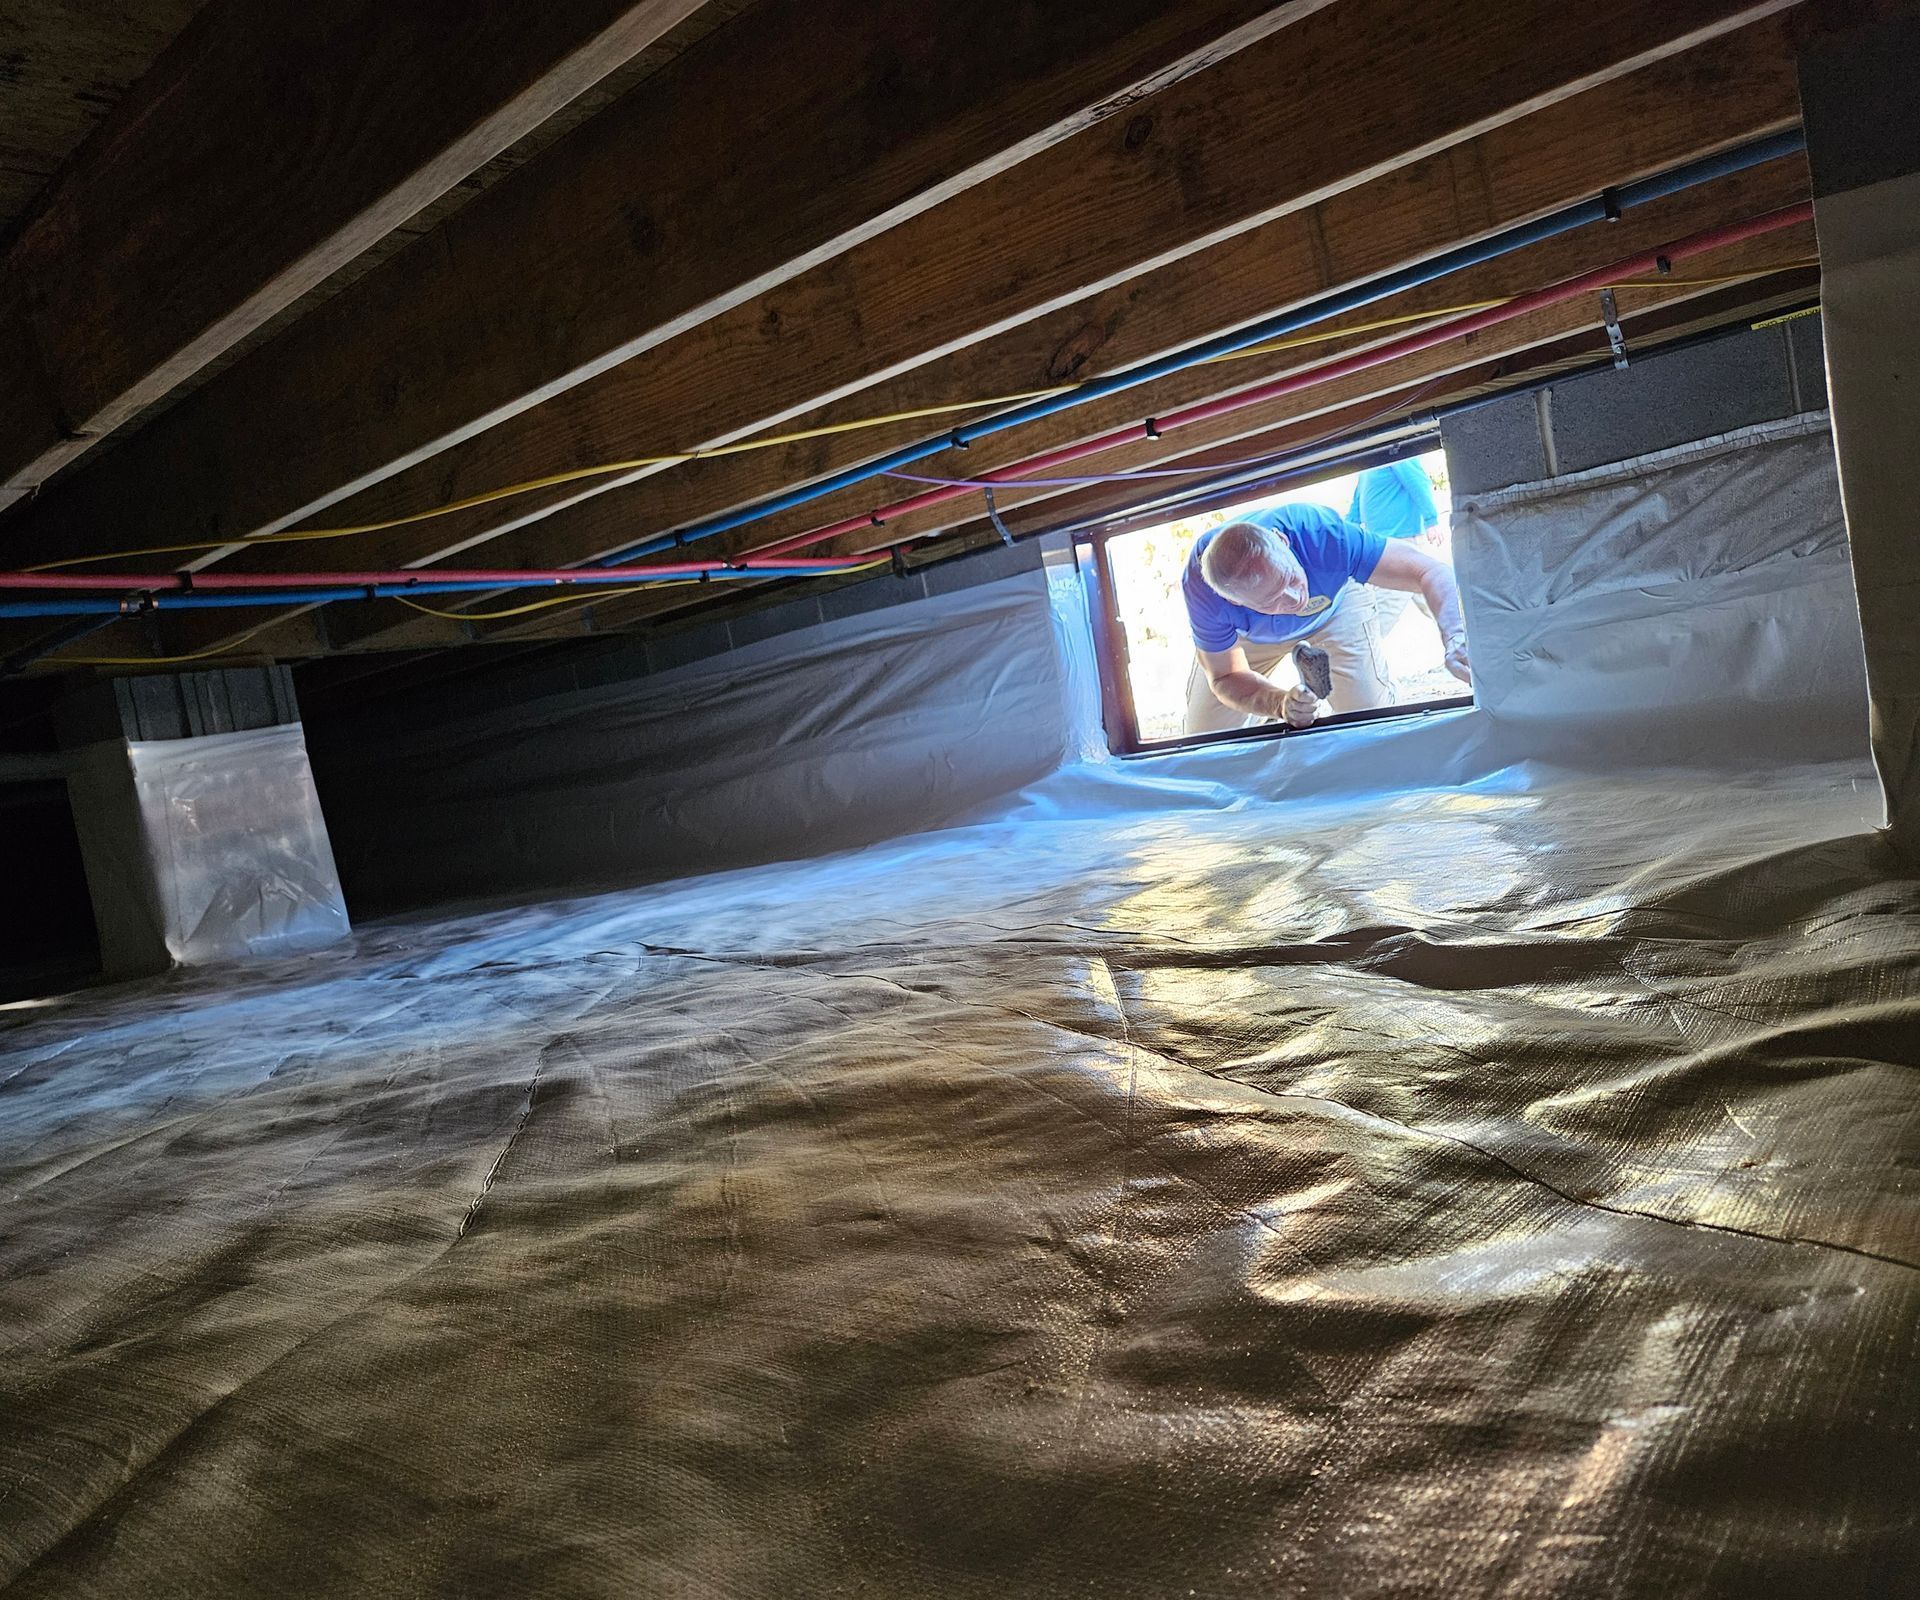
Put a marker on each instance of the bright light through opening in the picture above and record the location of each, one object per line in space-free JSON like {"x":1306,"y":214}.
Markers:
{"x":1147,"y":567}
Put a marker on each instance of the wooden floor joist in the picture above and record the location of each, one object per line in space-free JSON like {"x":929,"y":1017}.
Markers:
{"x":1193,"y":166}
{"x":1614,"y":133}
{"x":1433,"y":377}
{"x":293,"y":134}
{"x":1577,"y":348}
{"x":1026,"y":205}
{"x":1729,"y":200}
{"x":727,"y":375}
{"x":790,"y":136}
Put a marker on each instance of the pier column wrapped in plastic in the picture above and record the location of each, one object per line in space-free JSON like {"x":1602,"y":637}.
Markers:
{"x":206,"y":847}
{"x":1863,"y":130}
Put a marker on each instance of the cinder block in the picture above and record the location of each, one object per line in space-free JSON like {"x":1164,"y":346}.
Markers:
{"x":876,"y":594}
{"x":1493,"y":445}
{"x":159,"y":710}
{"x":983,"y":566}
{"x":178,"y":705}
{"x":769,"y":622}
{"x":250,"y":698}
{"x":1671,"y":399}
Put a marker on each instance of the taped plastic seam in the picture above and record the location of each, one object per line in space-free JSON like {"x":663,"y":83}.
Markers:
{"x":236,"y":848}
{"x":1086,"y":734}
{"x":833,"y":736}
{"x":1693,"y":603}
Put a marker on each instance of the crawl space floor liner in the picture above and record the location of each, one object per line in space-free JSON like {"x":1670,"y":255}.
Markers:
{"x":1511,"y":1189}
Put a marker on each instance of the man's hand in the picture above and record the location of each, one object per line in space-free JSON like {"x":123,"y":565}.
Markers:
{"x":1456,"y":660}
{"x":1300,"y":707}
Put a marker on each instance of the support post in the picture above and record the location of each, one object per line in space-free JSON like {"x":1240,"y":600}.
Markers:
{"x":1863,"y":142}
{"x":198,"y":820}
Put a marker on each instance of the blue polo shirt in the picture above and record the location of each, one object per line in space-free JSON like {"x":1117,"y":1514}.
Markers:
{"x":1331,"y":550}
{"x":1395,"y":501}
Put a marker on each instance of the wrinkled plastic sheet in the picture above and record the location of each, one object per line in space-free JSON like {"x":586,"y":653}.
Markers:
{"x":1384,"y":1162}
{"x":1497,"y":1190}
{"x":1691,"y":603}
{"x":207,"y":849}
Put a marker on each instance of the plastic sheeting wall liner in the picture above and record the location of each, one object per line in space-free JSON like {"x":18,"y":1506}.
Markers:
{"x":821,"y":739}
{"x":1695,"y":604}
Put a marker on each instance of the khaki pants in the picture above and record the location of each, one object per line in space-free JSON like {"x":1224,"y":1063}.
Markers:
{"x":1351,"y":639}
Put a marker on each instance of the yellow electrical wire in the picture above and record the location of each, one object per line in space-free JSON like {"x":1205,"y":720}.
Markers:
{"x":570,"y":599}
{"x":800,"y":435}
{"x":556,"y":479}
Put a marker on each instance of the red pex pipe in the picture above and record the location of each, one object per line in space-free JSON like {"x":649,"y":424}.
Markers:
{"x":187,"y":582}
{"x":1569,"y":289}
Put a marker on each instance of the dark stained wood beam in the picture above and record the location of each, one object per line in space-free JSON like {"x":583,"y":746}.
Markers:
{"x":271,"y":143}
{"x":1203,"y":165}
{"x":777,"y":143}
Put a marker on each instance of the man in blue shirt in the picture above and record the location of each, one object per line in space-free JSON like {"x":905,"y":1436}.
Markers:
{"x":1292,"y":574}
{"x":1396,"y":500}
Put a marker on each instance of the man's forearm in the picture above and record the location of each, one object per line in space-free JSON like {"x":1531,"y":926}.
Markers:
{"x":1250,"y":693}
{"x":1442,"y":595}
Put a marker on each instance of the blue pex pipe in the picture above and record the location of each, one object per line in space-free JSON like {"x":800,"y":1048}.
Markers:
{"x":1601,"y":208}
{"x":108,"y":605}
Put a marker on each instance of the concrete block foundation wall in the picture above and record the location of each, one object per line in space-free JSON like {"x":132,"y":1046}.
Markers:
{"x":1669,"y":398}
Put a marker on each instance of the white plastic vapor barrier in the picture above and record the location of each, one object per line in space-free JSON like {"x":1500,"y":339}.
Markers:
{"x":1687,"y":608}
{"x":837,"y":735}
{"x":1695,"y":602}
{"x":1453,"y":1158}
{"x":205,"y":850}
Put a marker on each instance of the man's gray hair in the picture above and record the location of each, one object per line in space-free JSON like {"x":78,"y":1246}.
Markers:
{"x":1243,"y":551}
